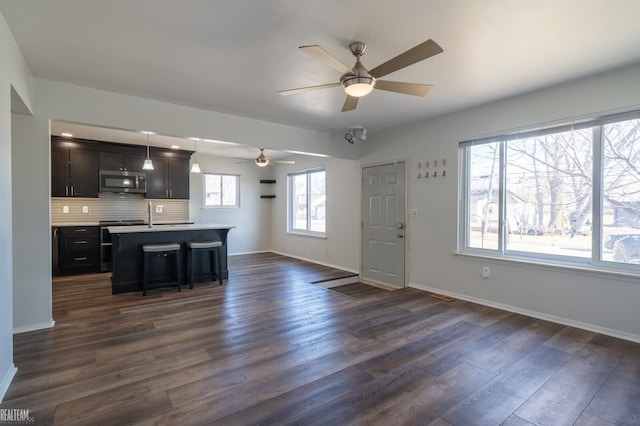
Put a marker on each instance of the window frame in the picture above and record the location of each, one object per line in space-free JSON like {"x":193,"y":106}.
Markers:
{"x":596,"y":261}
{"x":291,"y":229}
{"x":222,"y":175}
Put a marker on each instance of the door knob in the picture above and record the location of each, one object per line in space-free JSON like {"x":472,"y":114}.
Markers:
{"x":400,"y":225}
{"x":400,"y":236}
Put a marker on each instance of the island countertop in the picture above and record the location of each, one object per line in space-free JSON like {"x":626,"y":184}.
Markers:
{"x":165,"y":228}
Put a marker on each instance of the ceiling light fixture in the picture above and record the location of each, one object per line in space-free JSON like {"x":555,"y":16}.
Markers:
{"x":66,"y":135}
{"x":148,"y":165}
{"x":262,"y":160}
{"x":195,"y":167}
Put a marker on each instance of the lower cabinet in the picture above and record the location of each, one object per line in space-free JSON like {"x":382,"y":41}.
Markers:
{"x":78,"y":249}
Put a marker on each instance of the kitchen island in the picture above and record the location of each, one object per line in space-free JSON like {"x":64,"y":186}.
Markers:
{"x":127,"y":251}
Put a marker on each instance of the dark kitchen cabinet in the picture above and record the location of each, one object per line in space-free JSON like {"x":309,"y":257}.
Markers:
{"x":78,"y":249}
{"x":74,"y":171}
{"x":169,"y":178}
{"x":117,"y":161}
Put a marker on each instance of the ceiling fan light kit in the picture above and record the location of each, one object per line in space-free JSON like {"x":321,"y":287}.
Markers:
{"x":358,"y":81}
{"x":357,"y":86}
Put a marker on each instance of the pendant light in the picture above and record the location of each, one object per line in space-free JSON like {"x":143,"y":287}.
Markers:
{"x":195,"y":168}
{"x":148,"y":165}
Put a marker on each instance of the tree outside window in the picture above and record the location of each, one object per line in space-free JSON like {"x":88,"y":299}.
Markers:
{"x":543,"y":201}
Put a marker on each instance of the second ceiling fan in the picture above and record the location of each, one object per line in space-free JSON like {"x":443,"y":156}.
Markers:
{"x":264,"y":161}
{"x":358,"y":81}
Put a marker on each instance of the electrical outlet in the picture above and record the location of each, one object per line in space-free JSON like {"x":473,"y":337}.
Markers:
{"x":159,"y":208}
{"x":65,"y":209}
{"x":85,"y":209}
{"x":486,"y":272}
{"x":413,"y":212}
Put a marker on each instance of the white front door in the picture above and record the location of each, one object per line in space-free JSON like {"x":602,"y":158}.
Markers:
{"x":383,"y":189}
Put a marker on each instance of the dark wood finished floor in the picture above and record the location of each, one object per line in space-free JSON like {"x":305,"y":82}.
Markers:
{"x":269,"y":348}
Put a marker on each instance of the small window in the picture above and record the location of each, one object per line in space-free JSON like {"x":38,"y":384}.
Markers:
{"x":221,"y":190}
{"x":307,"y":202}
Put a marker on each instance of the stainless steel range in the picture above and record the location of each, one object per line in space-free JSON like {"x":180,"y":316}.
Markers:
{"x":105,"y":240}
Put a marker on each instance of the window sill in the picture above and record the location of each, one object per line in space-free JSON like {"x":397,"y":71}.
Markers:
{"x":587,"y":270}
{"x":308,"y":234}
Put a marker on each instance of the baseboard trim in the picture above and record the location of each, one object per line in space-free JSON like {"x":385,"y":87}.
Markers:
{"x":330,"y":265}
{"x":240,"y":253}
{"x":6,"y":380}
{"x":34,"y":327}
{"x":534,"y":314}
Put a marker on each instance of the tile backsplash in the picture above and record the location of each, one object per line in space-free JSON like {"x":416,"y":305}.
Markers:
{"x":116,"y":207}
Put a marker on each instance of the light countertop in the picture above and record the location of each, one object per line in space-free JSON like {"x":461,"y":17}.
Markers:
{"x":164,"y":228}
{"x":57,"y":224}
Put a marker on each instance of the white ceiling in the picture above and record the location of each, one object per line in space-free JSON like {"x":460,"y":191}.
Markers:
{"x":232,"y":56}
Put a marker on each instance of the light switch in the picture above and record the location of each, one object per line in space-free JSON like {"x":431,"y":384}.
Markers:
{"x":413,"y":212}
{"x":85,"y":209}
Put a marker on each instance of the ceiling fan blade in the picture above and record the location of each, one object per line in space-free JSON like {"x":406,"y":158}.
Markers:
{"x":350,"y":103}
{"x":324,"y":56}
{"x":307,"y":89}
{"x":419,"y":53}
{"x":282,"y":161}
{"x":414,"y":89}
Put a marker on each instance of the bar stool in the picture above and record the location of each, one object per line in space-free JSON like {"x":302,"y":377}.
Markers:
{"x":209,"y":247}
{"x":163,"y":250}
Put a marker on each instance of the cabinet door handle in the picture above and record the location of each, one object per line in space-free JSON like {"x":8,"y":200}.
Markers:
{"x":80,"y":230}
{"x":81,"y":258}
{"x":171,"y":193}
{"x":72,"y":191}
{"x":66,"y":190}
{"x":80,"y":242}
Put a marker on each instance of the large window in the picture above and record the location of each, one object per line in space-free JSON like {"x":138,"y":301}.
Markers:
{"x":569,"y":194}
{"x":221,"y":190}
{"x":307,"y":202}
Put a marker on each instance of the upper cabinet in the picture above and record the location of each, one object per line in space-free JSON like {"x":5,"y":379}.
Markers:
{"x":169,"y":177}
{"x":76,"y":165}
{"x":73,"y":171}
{"x":131,"y":162}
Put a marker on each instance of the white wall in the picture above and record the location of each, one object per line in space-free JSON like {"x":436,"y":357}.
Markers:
{"x":252,"y":219}
{"x":340,"y":248}
{"x":31,"y":205}
{"x":601,"y":302}
{"x":15,"y":92}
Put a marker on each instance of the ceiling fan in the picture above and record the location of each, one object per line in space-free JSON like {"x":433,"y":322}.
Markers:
{"x":264,"y":161}
{"x":358,"y":81}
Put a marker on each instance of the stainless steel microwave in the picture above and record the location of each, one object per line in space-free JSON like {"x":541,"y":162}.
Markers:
{"x":123,"y":181}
